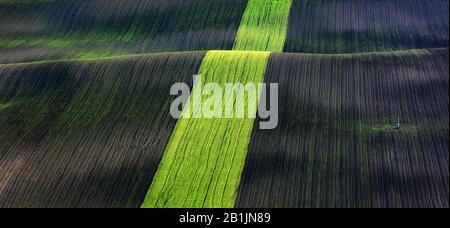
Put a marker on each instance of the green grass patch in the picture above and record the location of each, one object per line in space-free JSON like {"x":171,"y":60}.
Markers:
{"x":264,"y":26}
{"x":204,"y":159}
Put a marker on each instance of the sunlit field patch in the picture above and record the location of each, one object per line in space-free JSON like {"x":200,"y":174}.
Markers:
{"x":264,"y":26}
{"x":204,"y":159}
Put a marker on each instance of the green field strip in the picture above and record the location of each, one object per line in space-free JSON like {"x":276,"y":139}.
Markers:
{"x":203,"y":162}
{"x":264,"y":26}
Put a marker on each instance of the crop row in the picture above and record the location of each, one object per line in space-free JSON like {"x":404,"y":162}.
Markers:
{"x":263,"y":26}
{"x":79,"y":29}
{"x":86,"y":134}
{"x":351,"y":26}
{"x":81,"y":134}
{"x":337,"y":144}
{"x":203,"y":162}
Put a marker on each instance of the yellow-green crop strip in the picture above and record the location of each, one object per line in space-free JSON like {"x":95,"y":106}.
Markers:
{"x":264,"y":26}
{"x":205,"y":157}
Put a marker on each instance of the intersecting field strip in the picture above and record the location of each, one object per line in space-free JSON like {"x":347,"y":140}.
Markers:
{"x":264,"y":26}
{"x":204,"y":160}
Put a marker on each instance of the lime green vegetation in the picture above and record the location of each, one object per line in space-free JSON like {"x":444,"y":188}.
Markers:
{"x":204,"y":159}
{"x":406,"y":128}
{"x":92,"y":55}
{"x":73,"y":47}
{"x":368,"y":127}
{"x":379,"y":127}
{"x":413,"y":52}
{"x":48,"y":42}
{"x":6,"y":105}
{"x":62,"y":41}
{"x":264,"y":26}
{"x":382,"y":128}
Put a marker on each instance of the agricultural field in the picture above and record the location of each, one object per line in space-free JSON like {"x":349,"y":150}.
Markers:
{"x":336,"y":144}
{"x":90,"y":29}
{"x":203,"y":162}
{"x":86,"y":107}
{"x":263,"y":26}
{"x":366,"y":25}
{"x":86,"y":134}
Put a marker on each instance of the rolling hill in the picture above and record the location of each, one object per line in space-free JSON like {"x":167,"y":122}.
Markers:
{"x":85,"y":103}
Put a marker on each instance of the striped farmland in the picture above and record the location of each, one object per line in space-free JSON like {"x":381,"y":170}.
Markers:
{"x":84,"y":104}
{"x":86,"y":134}
{"x":203,"y":162}
{"x":336,"y":145}
{"x":80,"y":29}
{"x":263,"y":26}
{"x":351,"y":26}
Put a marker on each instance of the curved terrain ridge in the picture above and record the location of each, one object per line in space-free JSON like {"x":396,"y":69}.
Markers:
{"x":86,"y":133}
{"x":321,"y":26}
{"x":95,"y":131}
{"x":203,"y":162}
{"x":336,"y":144}
{"x":86,"y":29}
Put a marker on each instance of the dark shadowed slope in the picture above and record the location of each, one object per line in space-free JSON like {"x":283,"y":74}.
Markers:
{"x":336,"y":145}
{"x":343,"y":26}
{"x":70,"y":29}
{"x":86,"y":134}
